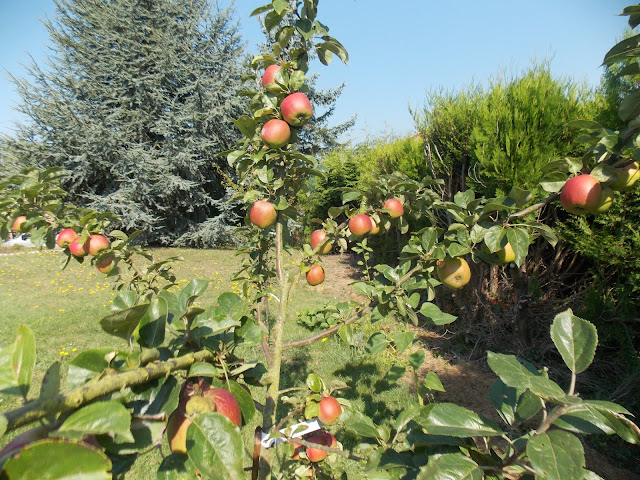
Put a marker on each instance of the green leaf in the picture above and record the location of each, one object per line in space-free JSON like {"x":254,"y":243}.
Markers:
{"x":455,"y":421}
{"x":123,"y":323}
{"x":395,"y":373}
{"x":280,"y":6}
{"x":314,"y":383}
{"x":50,"y":386}
{"x":350,"y":195}
{"x":145,"y":434}
{"x":432,"y":382}
{"x":193,"y":290}
{"x":359,"y":423}
{"x":416,"y":359}
{"x":402,"y":340}
{"x":297,"y":79}
{"x":87,"y":365}
{"x":519,"y":240}
{"x":576,"y":340}
{"x":376,"y":343}
{"x":556,"y":455}
{"x":23,"y":360}
{"x":215,"y":446}
{"x":494,"y":238}
{"x":58,"y":460}
{"x":435,"y":315}
{"x":247,"y":407}
{"x":153,"y":323}
{"x":246,"y":125}
{"x":504,"y":398}
{"x":462,"y":199}
{"x":203,"y":369}
{"x":450,"y":466}
{"x":110,"y":418}
{"x":515,"y":374}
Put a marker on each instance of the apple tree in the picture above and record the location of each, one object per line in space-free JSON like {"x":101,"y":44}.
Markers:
{"x":182,"y":376}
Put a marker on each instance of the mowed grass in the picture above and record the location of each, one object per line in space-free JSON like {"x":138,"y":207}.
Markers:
{"x":64,"y":307}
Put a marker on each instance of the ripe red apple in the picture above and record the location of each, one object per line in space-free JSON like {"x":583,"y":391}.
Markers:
{"x":65,"y":237}
{"x":269,"y":74}
{"x":263,"y":214}
{"x":322,"y":438}
{"x":580,"y":194}
{"x":315,"y":276}
{"x":18,"y":222}
{"x":97,"y":243}
{"x":395,"y":207}
{"x":78,"y":249}
{"x":297,"y":448}
{"x":626,"y":177}
{"x":316,"y":238}
{"x":360,"y":225}
{"x":106,"y":264}
{"x":198,"y":398}
{"x":226,"y":404}
{"x":296,"y":109}
{"x":454,"y":272}
{"x":330,"y":410}
{"x":276,"y":133}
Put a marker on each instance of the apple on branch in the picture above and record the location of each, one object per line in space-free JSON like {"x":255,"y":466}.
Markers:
{"x":276,"y":133}
{"x":454,"y":272}
{"x":360,"y":225}
{"x":263,"y":214}
{"x":269,"y":74}
{"x":316,"y":239}
{"x":78,"y":249}
{"x":65,"y":237}
{"x":97,"y":243}
{"x":18,"y":223}
{"x":315,"y":275}
{"x":626,"y":177}
{"x":296,"y":109}
{"x":330,"y":410}
{"x":581,"y":194}
{"x":394,"y":206}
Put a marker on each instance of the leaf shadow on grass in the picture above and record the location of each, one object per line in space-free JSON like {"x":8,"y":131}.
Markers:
{"x":365,"y":379}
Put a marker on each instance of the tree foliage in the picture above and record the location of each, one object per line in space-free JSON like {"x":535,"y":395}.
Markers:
{"x":134,"y":103}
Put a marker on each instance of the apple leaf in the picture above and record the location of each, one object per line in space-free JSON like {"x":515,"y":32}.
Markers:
{"x":435,"y":315}
{"x":17,"y":362}
{"x":494,"y":238}
{"x":432,"y":382}
{"x":215,"y":446}
{"x":455,"y":421}
{"x":576,"y":340}
{"x":450,"y":465}
{"x":556,"y":455}
{"x":519,"y":240}
{"x":153,"y":322}
{"x":247,"y":407}
{"x":123,"y":323}
{"x":402,"y":340}
{"x":109,"y":417}
{"x":395,"y":373}
{"x":515,"y":374}
{"x":58,"y":460}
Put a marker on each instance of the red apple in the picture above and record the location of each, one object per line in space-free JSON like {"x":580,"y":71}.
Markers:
{"x":316,"y":238}
{"x":263,"y":214}
{"x":297,"y":448}
{"x":65,"y":237}
{"x":315,"y":276}
{"x":78,"y":249}
{"x":395,"y":207}
{"x":97,"y":243}
{"x":106,"y":264}
{"x":330,"y":410}
{"x":226,"y":404}
{"x":177,"y":432}
{"x":580,"y":194}
{"x":18,"y":222}
{"x":322,"y":438}
{"x":296,"y":109}
{"x":269,"y":74}
{"x":375,"y":229}
{"x":276,"y":133}
{"x":360,"y":225}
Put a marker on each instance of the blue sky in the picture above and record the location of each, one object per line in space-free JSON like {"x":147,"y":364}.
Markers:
{"x":399,"y":50}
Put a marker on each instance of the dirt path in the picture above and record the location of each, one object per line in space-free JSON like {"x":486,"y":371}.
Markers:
{"x":466,"y":383}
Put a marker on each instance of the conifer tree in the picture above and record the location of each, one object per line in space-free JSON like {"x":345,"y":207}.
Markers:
{"x":136,"y":100}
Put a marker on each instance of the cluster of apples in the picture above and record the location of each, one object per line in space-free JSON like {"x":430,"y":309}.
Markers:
{"x":359,"y":226}
{"x":330,"y":410}
{"x":295,"y":108}
{"x":92,"y":245}
{"x":585,"y":194}
{"x":197,"y":398}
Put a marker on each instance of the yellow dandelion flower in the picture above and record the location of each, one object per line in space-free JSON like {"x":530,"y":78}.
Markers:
{"x":74,"y":349}
{"x":324,"y":339}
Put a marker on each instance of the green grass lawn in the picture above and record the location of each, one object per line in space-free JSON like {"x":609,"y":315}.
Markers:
{"x":63,"y":308}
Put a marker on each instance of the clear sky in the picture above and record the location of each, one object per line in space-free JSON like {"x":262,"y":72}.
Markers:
{"x":399,"y":50}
